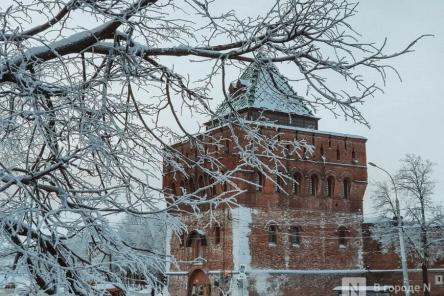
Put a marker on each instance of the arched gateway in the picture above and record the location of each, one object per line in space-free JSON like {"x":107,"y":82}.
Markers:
{"x":199,"y":284}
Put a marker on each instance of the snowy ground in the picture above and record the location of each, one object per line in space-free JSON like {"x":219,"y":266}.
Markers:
{"x":21,"y":288}
{"x":21,"y":291}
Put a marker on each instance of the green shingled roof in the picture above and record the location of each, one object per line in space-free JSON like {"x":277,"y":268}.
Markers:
{"x":262,"y":86}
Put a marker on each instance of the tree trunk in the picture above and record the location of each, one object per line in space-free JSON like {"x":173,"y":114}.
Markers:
{"x":425,"y":279}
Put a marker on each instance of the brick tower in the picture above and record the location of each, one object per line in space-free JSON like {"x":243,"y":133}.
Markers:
{"x":299,"y":238}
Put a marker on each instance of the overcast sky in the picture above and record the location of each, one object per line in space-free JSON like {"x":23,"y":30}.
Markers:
{"x":409,"y":116}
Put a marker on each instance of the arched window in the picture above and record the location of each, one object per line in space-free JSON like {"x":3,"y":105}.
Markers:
{"x":227,"y":147}
{"x":216,"y":230}
{"x":346,"y":188}
{"x":338,"y":154}
{"x":258,"y":181}
{"x":182,"y":239}
{"x":199,"y":284}
{"x":304,"y":153}
{"x":295,"y":235}
{"x":296,"y":185}
{"x":191,"y":186}
{"x":173,"y":189}
{"x":182,"y":187}
{"x":196,"y":240}
{"x":322,"y":150}
{"x":353,"y":154}
{"x":201,"y":184}
{"x":330,"y":186}
{"x":314,"y":183}
{"x":272,"y":234}
{"x":342,"y":236}
{"x":288,"y":151}
{"x":213,"y":189}
{"x":279,"y":184}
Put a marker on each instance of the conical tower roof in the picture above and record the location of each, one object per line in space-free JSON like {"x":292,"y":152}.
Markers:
{"x":261,"y":86}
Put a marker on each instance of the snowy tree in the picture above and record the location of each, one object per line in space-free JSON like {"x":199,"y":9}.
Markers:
{"x":91,"y":103}
{"x":422,"y":218}
{"x":145,"y":235}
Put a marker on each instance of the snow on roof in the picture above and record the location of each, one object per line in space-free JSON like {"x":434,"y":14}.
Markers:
{"x":302,"y":129}
{"x":198,"y":231}
{"x":262,"y":86}
{"x":375,"y":220}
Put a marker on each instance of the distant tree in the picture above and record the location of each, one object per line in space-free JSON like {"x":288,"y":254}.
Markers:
{"x":146,"y":235}
{"x":88,"y":114}
{"x":422,"y":218}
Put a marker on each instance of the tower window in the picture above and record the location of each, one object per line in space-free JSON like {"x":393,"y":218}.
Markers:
{"x":346,"y":188}
{"x":258,"y":181}
{"x":191,"y":186}
{"x":342,"y":237}
{"x":196,"y":240}
{"x":314,"y":183}
{"x":201,"y":185}
{"x":330,"y":186}
{"x":173,"y":189}
{"x":295,"y":235}
{"x":225,"y":187}
{"x":213,"y":189}
{"x":279,"y":183}
{"x":182,"y":187}
{"x":227,"y":147}
{"x":288,"y":151}
{"x":182,"y":239}
{"x":217,"y":234}
{"x":272,"y":234}
{"x":297,"y":179}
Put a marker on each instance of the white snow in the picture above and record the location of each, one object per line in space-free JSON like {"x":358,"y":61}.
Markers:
{"x":265,"y":88}
{"x":242,"y":219}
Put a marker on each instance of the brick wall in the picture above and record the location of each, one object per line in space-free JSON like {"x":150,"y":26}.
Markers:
{"x":319,"y":218}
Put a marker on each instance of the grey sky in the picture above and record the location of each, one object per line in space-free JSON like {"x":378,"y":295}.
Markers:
{"x":409,"y":116}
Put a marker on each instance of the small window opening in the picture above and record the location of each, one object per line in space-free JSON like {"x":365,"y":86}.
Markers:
{"x":173,"y":189}
{"x":227,"y":147}
{"x":313,"y":185}
{"x":182,"y":187}
{"x":217,"y":234}
{"x":295,"y":235}
{"x":342,"y":237}
{"x":329,"y":188}
{"x":288,"y":150}
{"x":201,"y":185}
{"x":258,"y":181}
{"x":272,"y":234}
{"x":279,"y":184}
{"x":191,"y":186}
{"x":346,"y":188}
{"x":297,"y":179}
